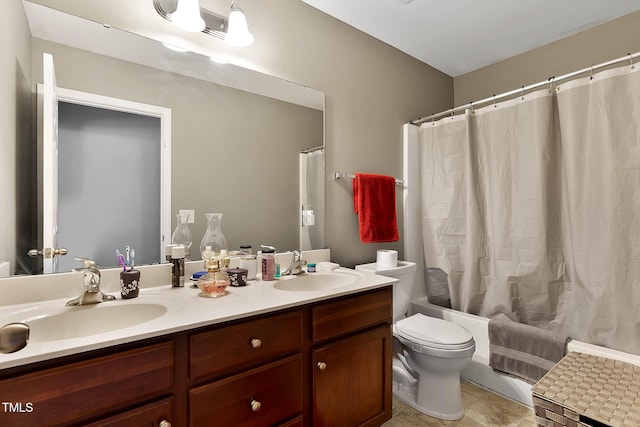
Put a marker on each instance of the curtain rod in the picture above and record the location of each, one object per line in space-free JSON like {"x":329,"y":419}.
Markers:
{"x":550,"y":81}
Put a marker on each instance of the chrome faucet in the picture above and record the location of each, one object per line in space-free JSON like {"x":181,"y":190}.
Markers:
{"x":92,"y":293}
{"x":296,"y":265}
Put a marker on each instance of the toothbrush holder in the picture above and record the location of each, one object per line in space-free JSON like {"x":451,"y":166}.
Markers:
{"x":129,"y":284}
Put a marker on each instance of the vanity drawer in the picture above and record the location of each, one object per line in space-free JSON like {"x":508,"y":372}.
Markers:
{"x":156,"y":414}
{"x":244,"y":344}
{"x":78,"y":390}
{"x":264,"y":396}
{"x":348,"y":315}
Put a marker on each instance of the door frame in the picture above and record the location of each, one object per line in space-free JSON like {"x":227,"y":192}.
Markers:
{"x":126,"y":106}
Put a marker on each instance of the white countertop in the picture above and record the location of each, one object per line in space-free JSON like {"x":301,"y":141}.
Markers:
{"x":185,"y":310}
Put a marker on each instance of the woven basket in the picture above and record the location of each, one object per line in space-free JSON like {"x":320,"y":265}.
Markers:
{"x":586,"y":390}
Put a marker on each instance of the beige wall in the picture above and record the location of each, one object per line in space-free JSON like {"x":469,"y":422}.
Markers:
{"x":15,"y":99}
{"x":371,"y":90}
{"x":607,"y":41}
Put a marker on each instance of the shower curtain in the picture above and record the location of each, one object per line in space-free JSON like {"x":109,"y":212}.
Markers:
{"x":532,"y":207}
{"x":311,"y":234}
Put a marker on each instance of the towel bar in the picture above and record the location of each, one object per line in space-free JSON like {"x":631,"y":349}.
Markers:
{"x":342,"y":175}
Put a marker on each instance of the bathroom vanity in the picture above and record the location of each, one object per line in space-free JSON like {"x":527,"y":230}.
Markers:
{"x":323,"y":360}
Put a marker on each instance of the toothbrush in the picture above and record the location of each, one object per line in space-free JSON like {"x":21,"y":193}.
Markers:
{"x":121,"y":261}
{"x":133,"y":255}
{"x":127,"y":250}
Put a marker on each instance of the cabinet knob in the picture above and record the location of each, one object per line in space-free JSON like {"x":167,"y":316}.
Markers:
{"x":322,"y":366}
{"x":164,"y":423}
{"x":255,"y":405}
{"x":255,"y":343}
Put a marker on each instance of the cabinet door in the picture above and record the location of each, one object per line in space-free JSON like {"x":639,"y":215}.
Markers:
{"x":352,"y":380}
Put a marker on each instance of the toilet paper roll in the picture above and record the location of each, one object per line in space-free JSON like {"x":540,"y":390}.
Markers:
{"x":387,"y":258}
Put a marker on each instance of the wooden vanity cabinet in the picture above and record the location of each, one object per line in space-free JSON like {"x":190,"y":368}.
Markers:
{"x":321,"y":364}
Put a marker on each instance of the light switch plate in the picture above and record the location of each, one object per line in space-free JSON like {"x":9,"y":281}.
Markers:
{"x":189,"y":213}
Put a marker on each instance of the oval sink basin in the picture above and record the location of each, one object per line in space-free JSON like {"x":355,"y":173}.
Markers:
{"x":317,"y":281}
{"x":85,"y":320}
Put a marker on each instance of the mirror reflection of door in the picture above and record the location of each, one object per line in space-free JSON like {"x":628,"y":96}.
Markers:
{"x":48,"y":132}
{"x":112,"y":178}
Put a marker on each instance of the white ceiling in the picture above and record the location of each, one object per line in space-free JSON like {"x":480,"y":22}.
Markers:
{"x":459,"y":36}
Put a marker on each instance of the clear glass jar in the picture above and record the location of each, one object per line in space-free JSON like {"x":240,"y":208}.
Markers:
{"x":182,"y":234}
{"x":213,"y":237}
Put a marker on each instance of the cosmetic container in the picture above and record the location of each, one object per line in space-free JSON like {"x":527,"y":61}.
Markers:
{"x":268,"y":264}
{"x":177,"y":266}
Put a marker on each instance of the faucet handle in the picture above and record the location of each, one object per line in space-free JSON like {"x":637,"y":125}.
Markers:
{"x":86,"y":263}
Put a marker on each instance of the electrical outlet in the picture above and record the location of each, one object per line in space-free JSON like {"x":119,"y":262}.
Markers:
{"x":189,"y":213}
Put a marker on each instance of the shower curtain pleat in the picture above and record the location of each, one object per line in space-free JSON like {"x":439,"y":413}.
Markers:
{"x":601,"y":164}
{"x":530,"y":207}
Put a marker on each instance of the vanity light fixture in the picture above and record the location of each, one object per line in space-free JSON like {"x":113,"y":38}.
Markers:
{"x":187,"y":15}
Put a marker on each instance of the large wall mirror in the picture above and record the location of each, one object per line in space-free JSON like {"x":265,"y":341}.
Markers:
{"x":245,"y":144}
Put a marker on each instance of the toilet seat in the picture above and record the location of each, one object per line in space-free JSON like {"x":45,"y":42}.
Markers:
{"x":431,"y":335}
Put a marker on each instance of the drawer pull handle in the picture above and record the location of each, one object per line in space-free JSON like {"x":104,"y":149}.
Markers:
{"x":322,"y":366}
{"x":164,"y":423}
{"x":255,"y":405}
{"x":255,"y":343}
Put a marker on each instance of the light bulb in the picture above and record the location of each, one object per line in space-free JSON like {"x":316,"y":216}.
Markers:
{"x":238,"y":33}
{"x":187,"y":16}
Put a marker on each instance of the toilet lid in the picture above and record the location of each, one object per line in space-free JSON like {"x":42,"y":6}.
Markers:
{"x":433,"y":332}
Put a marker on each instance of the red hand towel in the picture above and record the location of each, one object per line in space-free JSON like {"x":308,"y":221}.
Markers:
{"x":374,"y":200}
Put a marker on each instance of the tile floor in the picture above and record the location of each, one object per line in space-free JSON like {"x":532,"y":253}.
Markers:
{"x":481,"y":408}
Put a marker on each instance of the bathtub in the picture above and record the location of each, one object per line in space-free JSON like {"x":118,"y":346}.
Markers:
{"x":479,"y":371}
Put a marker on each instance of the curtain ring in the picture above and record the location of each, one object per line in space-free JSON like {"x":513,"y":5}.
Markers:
{"x":452,"y":114}
{"x":591,"y":72}
{"x":522,"y":94}
{"x":551,"y":79}
{"x":471,"y":106}
{"x":631,"y":61}
{"x":494,"y":101}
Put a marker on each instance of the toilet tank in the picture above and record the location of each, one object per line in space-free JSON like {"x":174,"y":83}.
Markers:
{"x":405,"y":272}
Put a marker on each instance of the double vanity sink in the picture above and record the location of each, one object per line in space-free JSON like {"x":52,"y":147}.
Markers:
{"x":57,"y":330}
{"x":307,"y":350}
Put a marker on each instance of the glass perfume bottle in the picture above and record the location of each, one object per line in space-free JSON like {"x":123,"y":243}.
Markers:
{"x":182,"y":234}
{"x":215,"y":283}
{"x":213,"y":237}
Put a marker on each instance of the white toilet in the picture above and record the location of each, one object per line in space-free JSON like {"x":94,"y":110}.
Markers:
{"x":427,"y":363}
